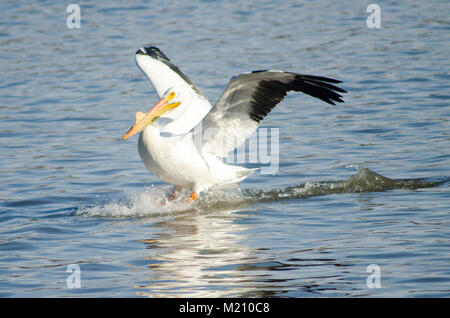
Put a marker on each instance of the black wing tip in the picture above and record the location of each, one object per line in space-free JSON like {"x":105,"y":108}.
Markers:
{"x":334,"y":97}
{"x":320,"y":78}
{"x":332,"y":101}
{"x":271,"y":91}
{"x":319,"y":87}
{"x":153,"y":52}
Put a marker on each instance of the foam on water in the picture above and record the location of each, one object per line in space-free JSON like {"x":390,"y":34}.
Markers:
{"x":150,"y":202}
{"x":153,"y":201}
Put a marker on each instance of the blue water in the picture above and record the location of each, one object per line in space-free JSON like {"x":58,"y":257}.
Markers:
{"x":72,"y":192}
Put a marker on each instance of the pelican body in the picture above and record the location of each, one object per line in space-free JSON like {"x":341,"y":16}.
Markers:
{"x":183,"y":136}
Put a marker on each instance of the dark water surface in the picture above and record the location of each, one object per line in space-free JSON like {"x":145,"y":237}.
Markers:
{"x":360,"y":183}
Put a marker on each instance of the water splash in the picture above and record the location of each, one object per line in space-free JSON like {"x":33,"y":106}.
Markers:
{"x":153,"y":200}
{"x":365,"y":180}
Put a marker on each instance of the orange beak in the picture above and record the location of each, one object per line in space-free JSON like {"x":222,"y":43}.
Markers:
{"x":143,"y":120}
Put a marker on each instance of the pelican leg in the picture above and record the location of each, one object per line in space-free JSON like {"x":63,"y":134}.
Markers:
{"x":193,"y":197}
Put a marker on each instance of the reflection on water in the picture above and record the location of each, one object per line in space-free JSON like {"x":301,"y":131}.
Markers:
{"x":198,"y":255}
{"x":206,"y":255}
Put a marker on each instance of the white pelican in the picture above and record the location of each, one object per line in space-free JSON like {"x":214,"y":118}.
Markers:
{"x":171,"y":130}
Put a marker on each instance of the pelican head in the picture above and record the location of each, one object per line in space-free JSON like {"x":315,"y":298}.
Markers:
{"x":169,"y":102}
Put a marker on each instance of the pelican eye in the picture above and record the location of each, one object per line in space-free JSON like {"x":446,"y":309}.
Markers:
{"x":171,"y":95}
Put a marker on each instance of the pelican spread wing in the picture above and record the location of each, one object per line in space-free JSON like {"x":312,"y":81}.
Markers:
{"x":249,"y":97}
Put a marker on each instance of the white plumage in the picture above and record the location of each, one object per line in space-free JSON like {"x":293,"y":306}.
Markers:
{"x":182,"y":136}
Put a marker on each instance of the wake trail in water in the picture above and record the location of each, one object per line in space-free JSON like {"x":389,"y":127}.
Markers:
{"x":365,"y":180}
{"x":153,"y":201}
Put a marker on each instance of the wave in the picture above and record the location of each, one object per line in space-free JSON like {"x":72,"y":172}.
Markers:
{"x":153,"y":200}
